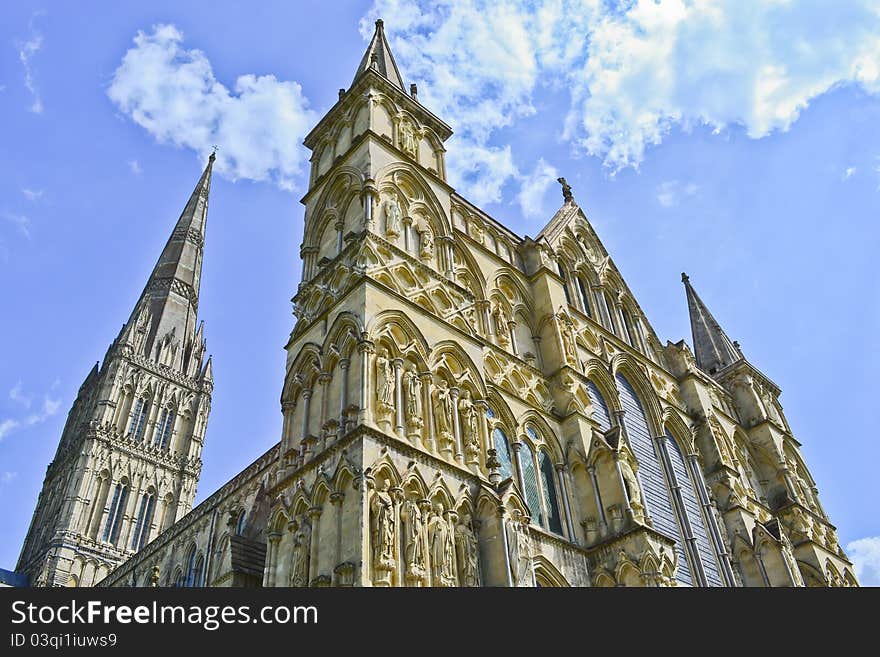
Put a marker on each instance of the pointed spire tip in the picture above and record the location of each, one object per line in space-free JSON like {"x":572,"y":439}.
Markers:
{"x":684,"y":277}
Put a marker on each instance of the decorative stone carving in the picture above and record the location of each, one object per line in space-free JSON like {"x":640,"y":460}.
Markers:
{"x":299,"y":565}
{"x":469,"y":429}
{"x":519,"y":547}
{"x":444,"y":407}
{"x":426,"y":245}
{"x":502,"y":321}
{"x":442,"y":550}
{"x":384,"y":387}
{"x":568,"y":340}
{"x":414,"y":542}
{"x":413,"y":389}
{"x":408,"y":139}
{"x":384,"y":528}
{"x":467,"y":552}
{"x":393,"y":217}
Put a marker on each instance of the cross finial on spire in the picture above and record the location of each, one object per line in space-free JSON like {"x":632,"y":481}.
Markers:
{"x":213,"y":154}
{"x":684,"y":277}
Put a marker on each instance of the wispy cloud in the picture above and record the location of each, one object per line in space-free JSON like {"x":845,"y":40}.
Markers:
{"x":172,"y":93}
{"x":32,"y":194}
{"x":671,"y":192}
{"x":20,"y":221}
{"x":135,"y":167}
{"x":26,"y":51}
{"x":848,"y":173}
{"x":865,"y":555}
{"x":47,"y":409}
{"x":7,"y":477}
{"x":534,"y":187}
{"x":16,"y":395}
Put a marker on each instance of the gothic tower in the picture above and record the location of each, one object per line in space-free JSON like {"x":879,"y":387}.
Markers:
{"x":129,"y":457}
{"x":464,"y":406}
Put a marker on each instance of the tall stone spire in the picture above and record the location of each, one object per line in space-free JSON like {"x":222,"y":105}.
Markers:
{"x":379,"y":58}
{"x":166,"y":310}
{"x":712,"y":348}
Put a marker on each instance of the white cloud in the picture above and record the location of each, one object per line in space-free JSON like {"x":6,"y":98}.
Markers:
{"x":633,"y":70}
{"x":19,"y":220}
{"x":49,"y":408}
{"x":671,"y":192}
{"x":7,"y":477}
{"x":135,"y":167}
{"x":6,"y":426}
{"x":849,"y":172}
{"x":16,"y":395}
{"x":172,"y":93}
{"x":865,"y":555}
{"x":26,"y":51}
{"x":32,"y":194}
{"x":534,"y":186}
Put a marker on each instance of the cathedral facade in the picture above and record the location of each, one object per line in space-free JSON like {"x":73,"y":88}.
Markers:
{"x":462,"y":406}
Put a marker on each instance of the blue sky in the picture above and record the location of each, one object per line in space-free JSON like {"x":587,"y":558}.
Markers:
{"x":736,"y":141}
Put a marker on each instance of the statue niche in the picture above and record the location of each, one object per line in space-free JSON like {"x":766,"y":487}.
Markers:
{"x":383,"y":531}
{"x":385,"y":389}
{"x":393,"y":217}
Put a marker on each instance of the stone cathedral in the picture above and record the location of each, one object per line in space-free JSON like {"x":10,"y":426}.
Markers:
{"x":462,"y":406}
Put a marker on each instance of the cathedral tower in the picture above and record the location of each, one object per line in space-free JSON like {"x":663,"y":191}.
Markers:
{"x":464,"y":406}
{"x":129,"y":457}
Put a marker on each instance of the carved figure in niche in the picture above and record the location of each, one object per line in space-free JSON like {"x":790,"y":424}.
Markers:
{"x":502,"y":329}
{"x":384,"y":382}
{"x":467,"y":551}
{"x":470,"y":438}
{"x":568,"y":340}
{"x":426,"y":248}
{"x":393,"y":217}
{"x":443,"y":409}
{"x":476,"y":229}
{"x":408,"y":138}
{"x":382,"y":506}
{"x":519,"y":548}
{"x":770,"y":405}
{"x":414,"y":552}
{"x":442,"y":550}
{"x":413,"y":388}
{"x":299,"y":566}
{"x":631,"y":484}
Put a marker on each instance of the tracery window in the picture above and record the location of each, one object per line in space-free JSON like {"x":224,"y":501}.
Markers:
{"x":162,"y":437}
{"x":117,"y":509}
{"x":139,"y":419}
{"x":144,"y":520}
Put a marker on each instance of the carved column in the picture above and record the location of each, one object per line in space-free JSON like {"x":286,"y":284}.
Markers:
{"x":343,"y":396}
{"x":539,"y":359}
{"x":398,"y":397}
{"x":708,"y":512}
{"x":369,"y":196}
{"x":428,"y":437}
{"x":365,"y":349}
{"x":287,"y":410}
{"x":482,"y":407}
{"x":561,"y":472}
{"x":598,"y":495}
{"x":456,"y":423}
{"x":307,"y":404}
{"x":314,"y":549}
{"x":517,"y":461}
{"x":483,"y":307}
{"x":336,"y":499}
{"x":338,"y":226}
{"x":323,"y":380}
{"x":271,"y":558}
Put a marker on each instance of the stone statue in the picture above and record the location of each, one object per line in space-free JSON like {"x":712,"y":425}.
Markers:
{"x":154,"y":576}
{"x":426,"y":248}
{"x":443,"y":409}
{"x":442,"y":550}
{"x":632,"y":485}
{"x":413,"y":389}
{"x":299,"y":567}
{"x":384,"y":527}
{"x":568,"y":340}
{"x":414,"y":552}
{"x":470,"y":437}
{"x":502,"y":330}
{"x":393,"y":217}
{"x":467,"y":552}
{"x":407,"y":138}
{"x":384,"y":382}
{"x":566,"y":190}
{"x":519,"y":548}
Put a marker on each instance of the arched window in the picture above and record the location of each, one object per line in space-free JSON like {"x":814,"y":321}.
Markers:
{"x":502,"y":447}
{"x":117,"y":509}
{"x":630,"y":328}
{"x":652,"y":479}
{"x":609,"y":305}
{"x":703,"y":550}
{"x":239,"y":524}
{"x":548,"y":488}
{"x":139,"y":419}
{"x":179,"y":579}
{"x":144,"y":520}
{"x":195,"y":565}
{"x":600,"y":408}
{"x":530,"y":482}
{"x":164,"y":426}
{"x":563,"y":274}
{"x":585,"y":296}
